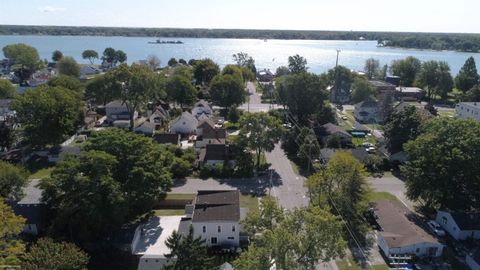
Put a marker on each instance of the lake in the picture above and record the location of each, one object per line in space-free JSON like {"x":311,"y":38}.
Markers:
{"x":320,"y":54}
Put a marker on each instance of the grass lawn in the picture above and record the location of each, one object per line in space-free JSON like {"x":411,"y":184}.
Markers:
{"x":169,"y":212}
{"x":380,"y":267}
{"x":357,"y":142}
{"x":347,"y":263}
{"x":42,"y":173}
{"x":377,"y":196}
{"x":446,"y":113}
{"x":250,"y":202}
{"x":180,"y":196}
{"x":349,"y":122}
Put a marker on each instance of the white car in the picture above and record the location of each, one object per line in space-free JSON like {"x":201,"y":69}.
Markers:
{"x":435,"y":228}
{"x":367,"y":144}
{"x":344,"y":117}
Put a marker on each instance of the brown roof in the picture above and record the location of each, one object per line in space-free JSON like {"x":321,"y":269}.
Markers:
{"x":206,"y":124}
{"x":332,"y":129}
{"x":214,"y":152}
{"x":213,"y":205}
{"x":217,"y":133}
{"x":398,"y":225}
{"x":167,"y":138}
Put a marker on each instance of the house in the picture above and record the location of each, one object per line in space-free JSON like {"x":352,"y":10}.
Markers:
{"x":330,"y":130}
{"x":400,"y":238}
{"x":468,"y":110}
{"x":339,"y":95}
{"x":395,"y":80}
{"x":146,"y":128}
{"x":149,"y":240}
{"x":473,"y":260}
{"x":208,"y":133}
{"x":58,"y":153}
{"x":382,"y":88}
{"x":167,"y":138}
{"x":202,"y":107}
{"x":214,"y":154}
{"x":367,"y":112}
{"x":117,"y":110}
{"x":86,"y":71}
{"x":265,"y":75}
{"x":158,"y":117}
{"x":31,"y":208}
{"x":90,"y":119}
{"x":6,"y":111}
{"x":460,"y":225}
{"x":216,"y":217}
{"x":409,"y":93}
{"x":185,"y":124}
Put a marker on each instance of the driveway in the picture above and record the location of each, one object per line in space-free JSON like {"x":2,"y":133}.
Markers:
{"x":393,"y":185}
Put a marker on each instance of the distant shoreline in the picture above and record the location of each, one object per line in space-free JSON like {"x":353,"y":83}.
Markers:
{"x":462,"y":42}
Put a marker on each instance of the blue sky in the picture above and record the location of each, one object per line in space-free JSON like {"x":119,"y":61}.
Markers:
{"x":357,"y":15}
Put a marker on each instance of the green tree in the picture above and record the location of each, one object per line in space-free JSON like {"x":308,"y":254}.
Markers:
{"x":91,"y":55}
{"x":340,"y":77}
{"x":12,"y":180}
{"x":401,"y":127}
{"x":57,"y":56}
{"x":372,"y":68}
{"x":24,"y":60}
{"x":445,"y":80}
{"x":181,"y":90}
{"x":143,"y":168}
{"x":68,"y":66}
{"x":153,"y":62}
{"x":227,"y":91}
{"x":443,"y":170}
{"x":7,"y":90}
{"x":234,"y":70}
{"x":473,"y":95}
{"x":361,"y":91}
{"x":180,"y":168}
{"x":120,"y":57}
{"x":48,"y":254}
{"x":282,"y":71}
{"x":270,"y":213}
{"x":103,"y":89}
{"x":172,"y":62}
{"x":244,"y":60}
{"x":297,"y":64}
{"x":189,"y":252}
{"x":435,"y":77}
{"x":406,"y":69}
{"x":254,"y":258}
{"x":49,"y":114}
{"x":342,"y":187}
{"x":86,"y":201}
{"x":260,"y":132}
{"x":204,"y":70}
{"x":67,"y":82}
{"x":11,"y":247}
{"x":7,"y":134}
{"x":109,"y":55}
{"x":468,"y":76}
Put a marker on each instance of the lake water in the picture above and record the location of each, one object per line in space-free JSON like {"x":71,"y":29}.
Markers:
{"x":320,"y":54}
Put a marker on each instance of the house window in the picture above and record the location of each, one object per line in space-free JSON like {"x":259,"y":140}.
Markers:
{"x":233,"y":228}
{"x":204,"y":228}
{"x":418,"y":250}
{"x":213,"y":240}
{"x":219,"y":228}
{"x":231,"y":238}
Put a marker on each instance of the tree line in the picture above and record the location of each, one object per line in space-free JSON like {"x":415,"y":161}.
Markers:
{"x":435,"y":41}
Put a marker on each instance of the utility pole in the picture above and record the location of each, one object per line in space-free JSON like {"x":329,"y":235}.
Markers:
{"x":336,"y":77}
{"x":336,"y":63}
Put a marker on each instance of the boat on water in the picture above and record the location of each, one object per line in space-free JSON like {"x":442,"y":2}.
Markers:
{"x":158,"y":41}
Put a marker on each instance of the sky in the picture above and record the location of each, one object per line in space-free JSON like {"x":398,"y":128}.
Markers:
{"x":355,"y":15}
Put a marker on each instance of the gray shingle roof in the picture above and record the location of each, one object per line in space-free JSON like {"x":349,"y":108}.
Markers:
{"x":211,"y":205}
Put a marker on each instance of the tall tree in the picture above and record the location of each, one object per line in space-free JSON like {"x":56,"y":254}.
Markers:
{"x":282,"y":71}
{"x":86,"y":201}
{"x":189,"y":252}
{"x":48,"y":254}
{"x":143,"y":168}
{"x":254,"y":258}
{"x":443,"y":170}
{"x":181,"y":90}
{"x":204,"y":70}
{"x":227,"y":91}
{"x":109,"y":55}
{"x":372,"y":68}
{"x":103,"y":89}
{"x":120,"y":57}
{"x":340,"y":77}
{"x":297,"y":64}
{"x":435,"y":77}
{"x":91,"y":55}
{"x":342,"y":187}
{"x":468,"y":76}
{"x":12,"y":180}
{"x":260,"y":132}
{"x":406,"y":69}
{"x":445,"y":80}
{"x":49,"y":114}
{"x":172,"y":62}
{"x":57,"y":56}
{"x":68,"y":66}
{"x":403,"y":126}
{"x":67,"y":82}
{"x":244,"y":60}
{"x":270,"y":213}
{"x":472,"y":95}
{"x":7,"y":90}
{"x":153,"y":62}
{"x":361,"y":91}
{"x":23,"y":59}
{"x":11,"y":247}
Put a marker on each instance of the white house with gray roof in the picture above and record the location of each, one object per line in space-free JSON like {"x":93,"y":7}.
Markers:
{"x":31,"y":208}
{"x":468,"y":110}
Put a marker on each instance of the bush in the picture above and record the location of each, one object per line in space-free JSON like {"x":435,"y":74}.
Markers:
{"x":234,"y":115}
{"x":180,"y":168}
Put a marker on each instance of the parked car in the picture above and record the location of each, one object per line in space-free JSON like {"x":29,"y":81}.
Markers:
{"x":371,"y":150}
{"x":344,"y":117}
{"x":367,"y":144}
{"x":435,"y":228}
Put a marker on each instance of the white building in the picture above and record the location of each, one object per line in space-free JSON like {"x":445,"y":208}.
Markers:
{"x":468,"y":110}
{"x":399,"y":236}
{"x":184,"y":124}
{"x":460,"y":226}
{"x":117,"y":110}
{"x":216,"y":217}
{"x":202,"y":107}
{"x":367,"y":112}
{"x":473,"y":260}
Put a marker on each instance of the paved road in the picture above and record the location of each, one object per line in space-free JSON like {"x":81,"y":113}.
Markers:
{"x":288,"y":187}
{"x":394,"y":186}
{"x":255,"y":103}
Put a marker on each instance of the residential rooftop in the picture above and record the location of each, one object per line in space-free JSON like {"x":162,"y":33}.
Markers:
{"x":214,"y":205}
{"x":32,"y":193}
{"x":153,"y":234}
{"x":472,"y":104}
